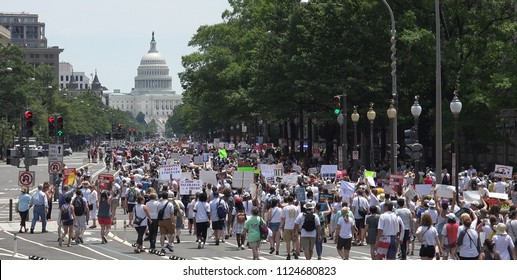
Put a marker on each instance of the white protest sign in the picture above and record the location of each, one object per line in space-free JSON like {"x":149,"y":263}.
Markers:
{"x":209,"y":177}
{"x":188,"y":187}
{"x":290,"y":179}
{"x":347,"y":190}
{"x":175,"y":156}
{"x":313,"y":170}
{"x":267,"y":170}
{"x":167,"y":170}
{"x":206,"y":157}
{"x":297,"y":168}
{"x":328,"y":171}
{"x":241,"y":179}
{"x":171,"y":161}
{"x":498,"y":195}
{"x":503,"y":171}
{"x":184,"y":160}
{"x":198,"y":160}
{"x":389,"y":190}
{"x":410,"y":192}
{"x":445,"y":191}
{"x":471,"y":196}
{"x":423,"y":189}
{"x":371,"y":182}
{"x":186,"y":176}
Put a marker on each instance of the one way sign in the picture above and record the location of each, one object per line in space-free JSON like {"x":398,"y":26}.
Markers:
{"x":55,"y":152}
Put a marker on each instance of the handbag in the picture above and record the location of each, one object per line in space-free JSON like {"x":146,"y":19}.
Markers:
{"x":138,"y":220}
{"x":263,"y":229}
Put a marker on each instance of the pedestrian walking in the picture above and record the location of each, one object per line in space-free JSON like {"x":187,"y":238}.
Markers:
{"x":93,"y":205}
{"x":371,"y":224}
{"x":450,"y":237}
{"x":104,"y":215}
{"x":344,"y":233}
{"x":202,"y":216}
{"x":322,"y":216}
{"x":252,"y":230}
{"x":24,"y":204}
{"x":309,"y":225}
{"x":49,"y":192}
{"x":152,"y":206}
{"x":389,"y":229}
{"x":274,"y":216}
{"x":80,"y":213}
{"x":503,"y":242}
{"x":287,"y":224}
{"x":428,"y":235}
{"x":240,"y":218}
{"x":67,"y":218}
{"x":40,"y":208}
{"x":468,"y":240}
{"x":165,"y":218}
{"x":141,"y":219}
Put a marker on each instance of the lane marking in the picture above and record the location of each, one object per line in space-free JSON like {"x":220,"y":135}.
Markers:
{"x":11,"y":254}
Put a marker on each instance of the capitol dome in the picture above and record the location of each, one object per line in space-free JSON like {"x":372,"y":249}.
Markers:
{"x":153,"y":72}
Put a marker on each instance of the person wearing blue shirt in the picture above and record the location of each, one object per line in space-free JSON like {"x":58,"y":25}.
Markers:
{"x":24,"y":204}
{"x":40,"y":203}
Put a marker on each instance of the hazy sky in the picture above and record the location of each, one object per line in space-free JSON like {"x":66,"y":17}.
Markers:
{"x":113,"y":35}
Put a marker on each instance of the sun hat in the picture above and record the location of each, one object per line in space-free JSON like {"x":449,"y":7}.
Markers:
{"x":500,"y":228}
{"x":432,"y":204}
{"x":309,"y":205}
{"x":451,"y":216}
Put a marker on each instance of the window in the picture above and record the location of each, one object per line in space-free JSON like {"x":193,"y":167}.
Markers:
{"x":67,"y":78}
{"x":61,"y":78}
{"x":81,"y":78}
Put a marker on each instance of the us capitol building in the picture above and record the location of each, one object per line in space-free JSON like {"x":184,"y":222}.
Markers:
{"x":152,"y":94}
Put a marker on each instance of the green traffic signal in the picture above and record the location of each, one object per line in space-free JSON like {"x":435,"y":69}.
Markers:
{"x":337,"y":111}
{"x":59,"y":133}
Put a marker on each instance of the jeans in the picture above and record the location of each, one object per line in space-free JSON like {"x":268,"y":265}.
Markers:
{"x":39,"y":212}
{"x":392,"y":249}
{"x":153,"y":232}
{"x":319,"y":246}
{"x":49,"y":214}
{"x":403,"y":244}
{"x":23,"y":217}
{"x":141,"y":232}
{"x":201,"y":230}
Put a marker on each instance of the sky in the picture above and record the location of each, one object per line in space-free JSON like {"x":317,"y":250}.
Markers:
{"x":111,"y":36}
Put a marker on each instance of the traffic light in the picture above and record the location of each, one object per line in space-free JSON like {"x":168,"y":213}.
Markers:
{"x":414,"y":151}
{"x":51,"y":126}
{"x":60,"y":126}
{"x":108,"y":136}
{"x":28,"y":123}
{"x":410,"y":136}
{"x":337,"y":104}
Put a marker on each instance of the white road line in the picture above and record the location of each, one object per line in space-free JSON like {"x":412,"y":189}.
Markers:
{"x":97,"y":252}
{"x":11,"y":254}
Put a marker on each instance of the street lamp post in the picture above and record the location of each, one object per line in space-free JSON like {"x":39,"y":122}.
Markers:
{"x":416,"y":110}
{"x":438,"y":93}
{"x":371,"y":117}
{"x":456,"y":109}
{"x":355,"y":119}
{"x":340,"y":121}
{"x":392,"y":115}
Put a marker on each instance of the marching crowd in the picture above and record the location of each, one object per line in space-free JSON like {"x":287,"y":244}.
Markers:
{"x":293,"y":219}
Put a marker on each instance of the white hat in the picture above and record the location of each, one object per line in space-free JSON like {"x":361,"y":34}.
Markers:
{"x":451,"y":216}
{"x":309,"y":205}
{"x":432,"y":203}
{"x":500,"y":228}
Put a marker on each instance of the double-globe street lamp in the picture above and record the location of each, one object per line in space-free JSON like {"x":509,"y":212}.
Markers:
{"x":416,"y":110}
{"x":392,"y":115}
{"x":355,"y":118}
{"x":456,"y":109}
{"x":371,"y":117}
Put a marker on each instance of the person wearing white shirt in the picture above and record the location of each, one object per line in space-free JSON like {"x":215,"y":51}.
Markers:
{"x":388,"y":230}
{"x":503,"y":242}
{"x":360,"y":202}
{"x":287,"y":223}
{"x":469,"y":248}
{"x":93,"y":205}
{"x":152,"y":206}
{"x":344,"y":233}
{"x":500,"y":186}
{"x":40,"y":203}
{"x":308,"y":238}
{"x":218,"y":222}
{"x":202,"y":216}
{"x":428,"y":235}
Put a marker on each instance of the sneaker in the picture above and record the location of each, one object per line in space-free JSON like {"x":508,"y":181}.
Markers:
{"x":77,"y":241}
{"x":199,"y":244}
{"x":271,"y":250}
{"x":44,"y":231}
{"x":226,"y":236}
{"x":178,"y":239}
{"x":162,"y":252}
{"x":242,"y":247}
{"x":81,"y":239}
{"x":295,"y":255}
{"x":104,"y":239}
{"x":217,"y":242}
{"x":32,"y":230}
{"x":276,"y":253}
{"x":319,"y":258}
{"x":169,"y":246}
{"x":222,"y":240}
{"x":288,"y":257}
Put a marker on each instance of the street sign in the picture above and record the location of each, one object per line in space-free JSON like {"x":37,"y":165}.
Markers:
{"x":54,"y":167}
{"x":26,"y":178}
{"x":355,"y":155}
{"x":55,"y":152}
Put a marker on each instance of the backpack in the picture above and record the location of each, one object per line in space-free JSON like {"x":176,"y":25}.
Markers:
{"x":241,"y":217}
{"x":78,"y":204}
{"x":361,"y":209}
{"x":162,"y":212}
{"x":264,"y":230}
{"x":65,"y":214}
{"x":131,"y":195}
{"x":309,"y":223}
{"x":222,"y":211}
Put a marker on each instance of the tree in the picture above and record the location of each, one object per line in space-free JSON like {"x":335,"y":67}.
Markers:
{"x":140,"y":118}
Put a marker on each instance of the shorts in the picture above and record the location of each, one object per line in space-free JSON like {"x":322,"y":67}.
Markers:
{"x":427,"y":251}
{"x":68,"y":222}
{"x":254,"y":244}
{"x":449,"y":246}
{"x":81,"y":222}
{"x":290,"y":235}
{"x":218,"y":225}
{"x":130,"y":207}
{"x":104,"y":221}
{"x":179,"y":222}
{"x":114,"y":203}
{"x":359,"y":223}
{"x":166,"y":227}
{"x":273,"y":226}
{"x":307,"y":243}
{"x":191,"y":221}
{"x":344,"y":243}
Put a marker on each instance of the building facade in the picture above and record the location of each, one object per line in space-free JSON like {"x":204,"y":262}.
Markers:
{"x":29,"y":34}
{"x":152,"y":94}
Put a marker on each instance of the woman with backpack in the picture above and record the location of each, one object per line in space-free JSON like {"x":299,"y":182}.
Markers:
{"x":238,"y":224}
{"x":104,"y":215}
{"x":67,"y":219}
{"x":273,"y":216}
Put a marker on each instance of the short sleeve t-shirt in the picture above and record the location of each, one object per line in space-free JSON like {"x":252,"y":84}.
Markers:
{"x":301,"y":219}
{"x":252,"y":226}
{"x":345,"y":230}
{"x":290,"y":212}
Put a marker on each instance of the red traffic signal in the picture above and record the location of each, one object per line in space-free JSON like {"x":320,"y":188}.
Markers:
{"x":51,"y":119}
{"x":28,"y":124}
{"x":28,"y":115}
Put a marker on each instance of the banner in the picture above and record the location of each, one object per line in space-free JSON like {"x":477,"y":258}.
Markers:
{"x":445,"y":191}
{"x":222,"y":153}
{"x":502,"y":196}
{"x":246,"y":169}
{"x":167,"y":170}
{"x":347,"y":190}
{"x":290,"y":179}
{"x":189,"y":187}
{"x":471,"y":196}
{"x":184,"y":160}
{"x":208,"y":177}
{"x":241,"y":179}
{"x":69,"y":176}
{"x":424,"y":189}
{"x":105,"y":181}
{"x":325,"y":196}
{"x":267,"y":170}
{"x":503,"y":171}
{"x":329,"y":172}
{"x":198,"y":160}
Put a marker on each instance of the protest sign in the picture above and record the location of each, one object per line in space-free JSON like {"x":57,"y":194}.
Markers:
{"x":445,"y":191}
{"x":241,"y":179}
{"x":208,"y":177}
{"x":328,"y":172}
{"x":105,"y":181}
{"x":166,"y":171}
{"x":396,"y":181}
{"x":423,"y":189}
{"x":471,"y":196}
{"x":503,"y":171}
{"x":498,"y":195}
{"x":189,"y":187}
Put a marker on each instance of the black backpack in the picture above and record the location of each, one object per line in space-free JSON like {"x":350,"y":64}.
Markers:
{"x":162,"y":212}
{"x":309,"y":223}
{"x":78,"y":206}
{"x":65,"y":213}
